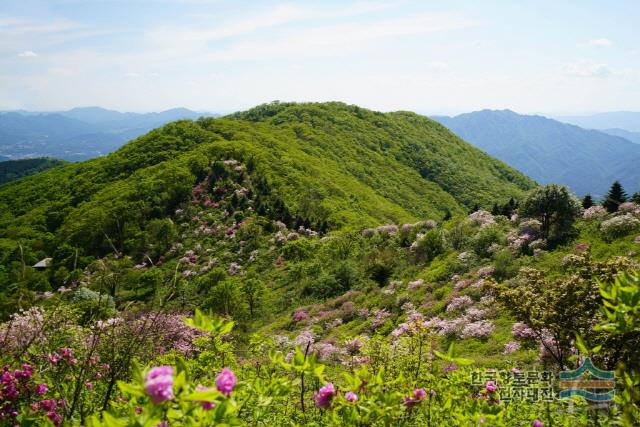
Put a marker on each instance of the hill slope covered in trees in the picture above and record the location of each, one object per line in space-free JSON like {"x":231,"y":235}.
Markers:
{"x":326,"y":165}
{"x":11,"y":170}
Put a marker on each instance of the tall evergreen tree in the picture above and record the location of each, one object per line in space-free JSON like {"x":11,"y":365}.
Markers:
{"x":587,"y":201}
{"x":636,"y":197}
{"x":615,"y":197}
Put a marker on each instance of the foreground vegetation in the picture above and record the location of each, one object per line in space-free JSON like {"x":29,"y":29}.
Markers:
{"x":261,"y":221}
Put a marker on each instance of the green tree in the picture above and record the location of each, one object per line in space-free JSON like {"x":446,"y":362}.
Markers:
{"x":555,"y":207}
{"x":636,"y":197}
{"x":558,"y":309}
{"x":615,"y":197}
{"x":587,"y":201}
{"x":253,"y":292}
{"x":225,"y":299}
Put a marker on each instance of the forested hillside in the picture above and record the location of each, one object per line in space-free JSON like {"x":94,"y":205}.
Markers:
{"x":326,"y":165}
{"x":14,"y":169}
{"x":308,"y":264}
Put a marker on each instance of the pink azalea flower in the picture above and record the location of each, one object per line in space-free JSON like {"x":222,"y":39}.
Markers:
{"x":324,"y":396}
{"x":159,"y":384}
{"x":351,"y":397}
{"x":226,"y":381}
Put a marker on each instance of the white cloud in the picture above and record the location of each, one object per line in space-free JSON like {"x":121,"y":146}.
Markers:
{"x":21,"y":34}
{"x":27,"y":54}
{"x":602,"y":42}
{"x":338,"y":39}
{"x":586,"y":68}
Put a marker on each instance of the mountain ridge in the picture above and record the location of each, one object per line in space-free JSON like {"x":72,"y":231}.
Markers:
{"x":549,"y":151}
{"x":79,"y":133}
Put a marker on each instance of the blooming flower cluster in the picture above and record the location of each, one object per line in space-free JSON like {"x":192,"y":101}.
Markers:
{"x":159,"y":384}
{"x":300,"y":315}
{"x":415,"y":284}
{"x":458,"y":303}
{"x":24,"y":328}
{"x":327,"y":351}
{"x":486,"y":271}
{"x":18,"y":388}
{"x":478,"y":329}
{"x":418,"y":395}
{"x":628,"y":207}
{"x":226,"y":381}
{"x":521,"y":331}
{"x":353,"y":346}
{"x":324,"y":396}
{"x":620,"y":225}
{"x":387,"y":230}
{"x":594,"y":212}
{"x":511,"y":347}
{"x":379,"y":317}
{"x":482,"y":218}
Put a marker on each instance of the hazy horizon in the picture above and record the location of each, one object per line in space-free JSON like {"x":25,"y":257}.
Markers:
{"x":228,"y":111}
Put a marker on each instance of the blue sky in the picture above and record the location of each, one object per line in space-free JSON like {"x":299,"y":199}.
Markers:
{"x":427,"y":56}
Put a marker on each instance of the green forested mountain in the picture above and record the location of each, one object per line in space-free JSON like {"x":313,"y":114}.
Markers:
{"x":327,"y":165}
{"x":13,"y":169}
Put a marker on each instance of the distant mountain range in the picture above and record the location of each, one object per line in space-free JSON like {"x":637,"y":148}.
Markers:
{"x":627,"y":120}
{"x":77,"y":134}
{"x":631,"y":136}
{"x":549,"y":151}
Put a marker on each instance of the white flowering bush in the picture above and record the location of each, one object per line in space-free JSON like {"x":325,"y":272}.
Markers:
{"x":594,"y":212}
{"x":628,"y":207}
{"x":619,"y":226}
{"x":482,"y":218}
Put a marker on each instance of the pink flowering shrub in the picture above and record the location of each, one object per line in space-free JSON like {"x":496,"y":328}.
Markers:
{"x":594,"y":212}
{"x":300,"y":315}
{"x":478,"y":329}
{"x":628,"y":207}
{"x":387,"y":230}
{"x":458,"y":303}
{"x":486,"y":271}
{"x":481,"y":218}
{"x":379,"y":318}
{"x":521,"y":331}
{"x":23,"y":397}
{"x":511,"y":347}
